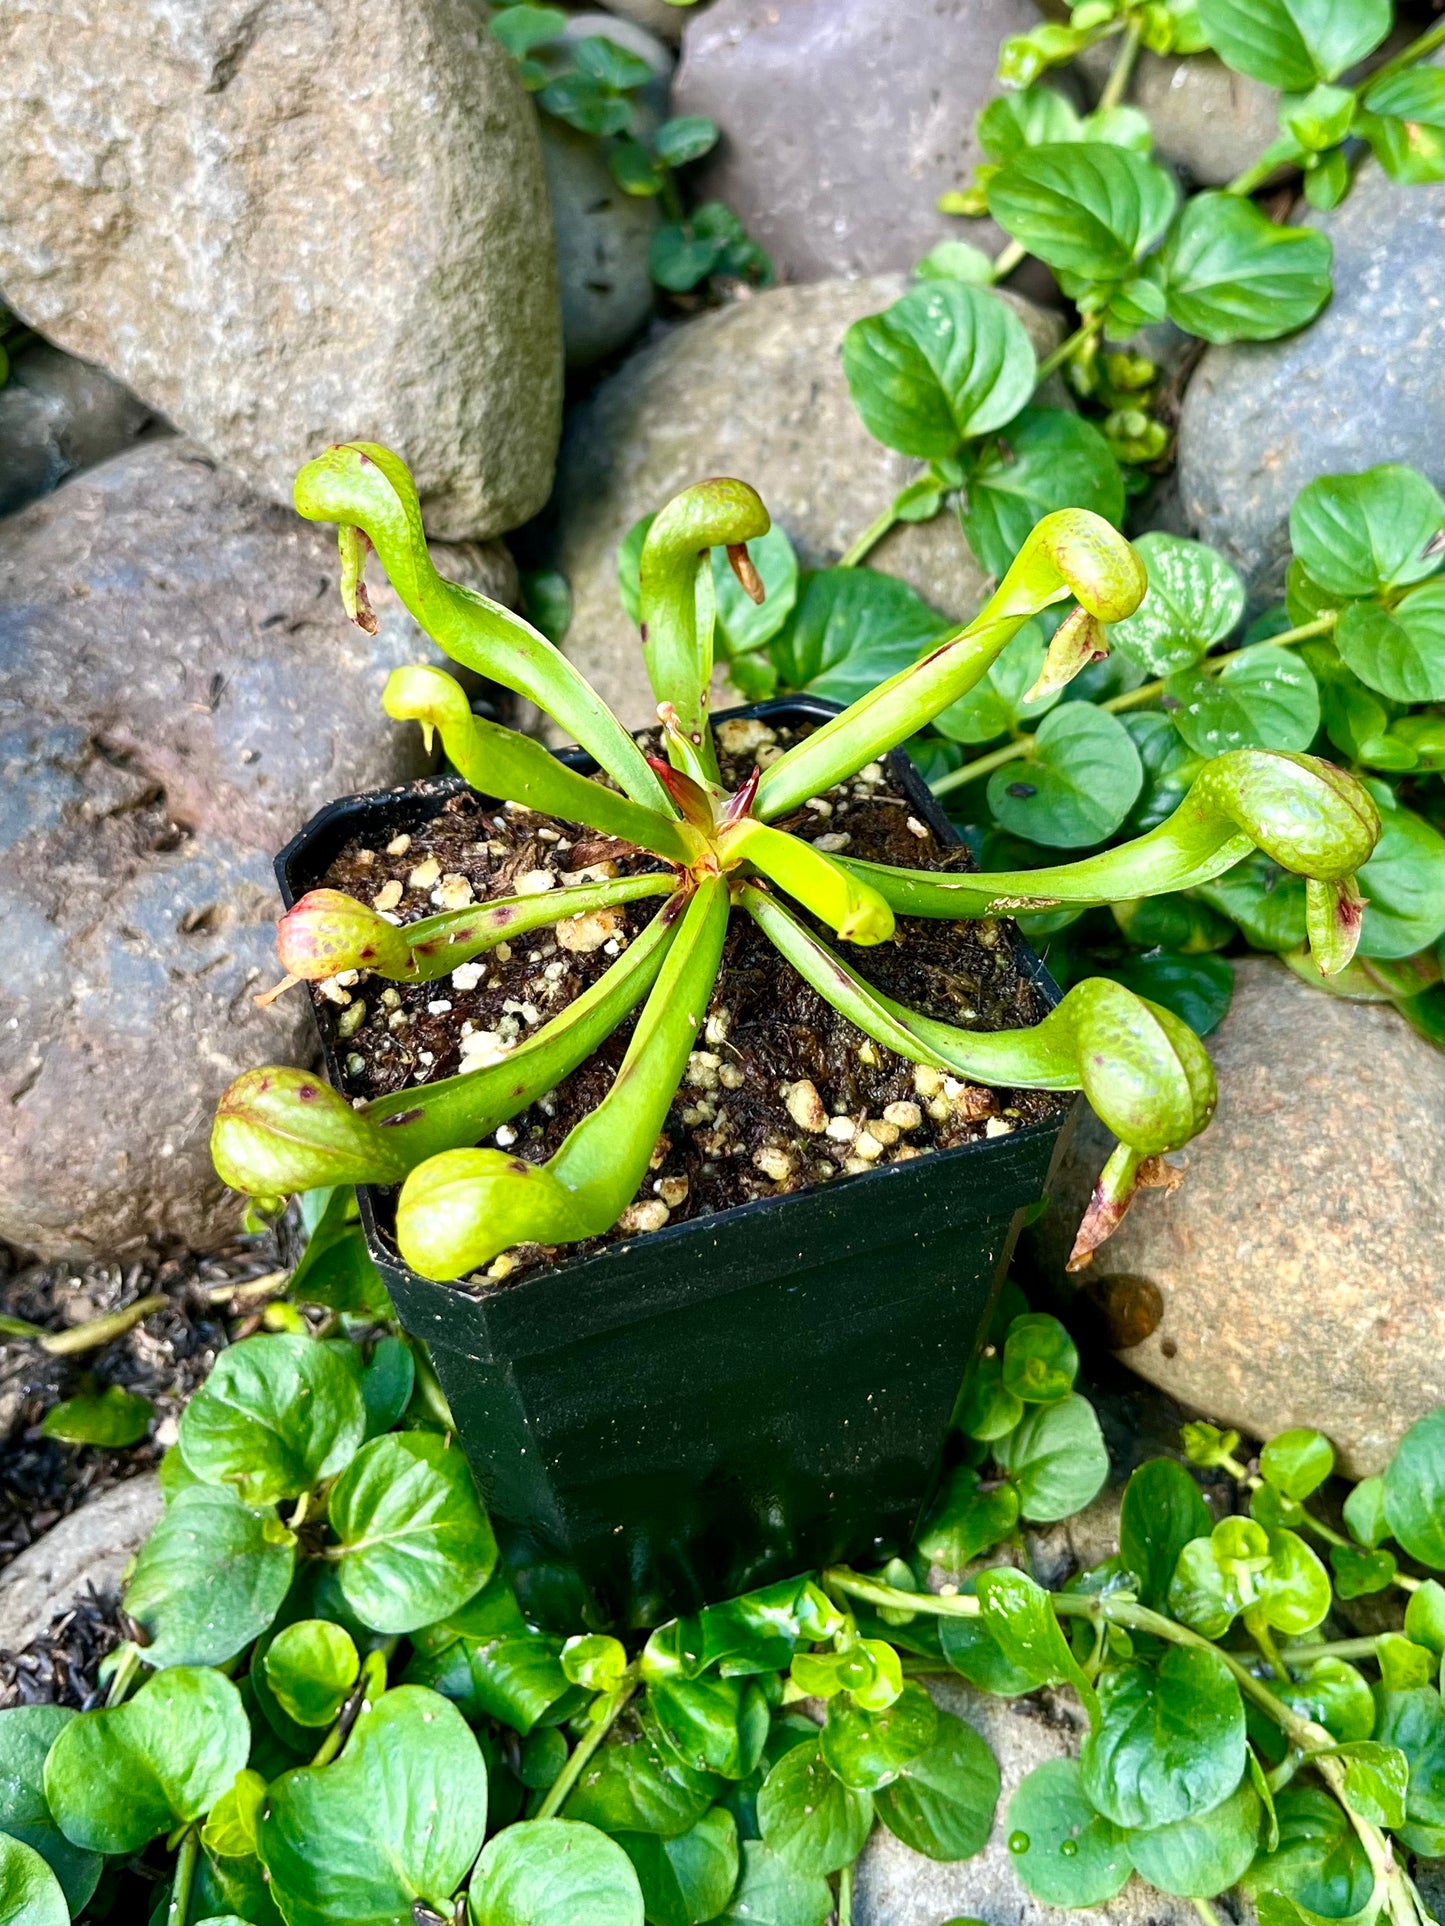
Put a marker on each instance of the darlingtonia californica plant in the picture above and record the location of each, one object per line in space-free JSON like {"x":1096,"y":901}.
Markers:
{"x":1144,"y":1071}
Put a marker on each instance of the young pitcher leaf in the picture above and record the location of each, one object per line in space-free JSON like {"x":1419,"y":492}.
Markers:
{"x":1077,"y":785}
{"x":1064,"y":1852}
{"x":210,"y":1578}
{"x":1194,"y":600}
{"x":115,"y":1780}
{"x":942,"y":1803}
{"x":1231,"y":274}
{"x":1171,"y":1744}
{"x":945,"y":364}
{"x":396,"y":1819}
{"x":414,"y":1542}
{"x":27,"y":1733}
{"x":808,"y":1817}
{"x":276,"y":1415}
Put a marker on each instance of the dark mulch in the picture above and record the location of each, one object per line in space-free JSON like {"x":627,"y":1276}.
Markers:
{"x":63,"y":1667}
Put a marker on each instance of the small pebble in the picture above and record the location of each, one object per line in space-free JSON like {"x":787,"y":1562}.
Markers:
{"x":391,"y":998}
{"x":997,"y":1127}
{"x":650,"y":1214}
{"x":747,"y":733}
{"x":438,"y":1006}
{"x":774,"y":1162}
{"x":454,"y":892}
{"x":593,"y":930}
{"x":731,"y":1076}
{"x":426,"y":875}
{"x":503,"y":952}
{"x":502,"y":1266}
{"x":918,"y":829}
{"x":505,"y":1136}
{"x":842,"y":1129}
{"x":805,"y":1106}
{"x":466,"y":976}
{"x":399,"y":845}
{"x":831,"y":844}
{"x":536,"y":882}
{"x":819,"y":806}
{"x":867,"y":1146}
{"x":868,"y":1052}
{"x":330,"y":988}
{"x":715,"y":1030}
{"x":672,"y":1190}
{"x":871,"y":772}
{"x":350,"y":1021}
{"x":927,"y":1080}
{"x":903,"y":1116}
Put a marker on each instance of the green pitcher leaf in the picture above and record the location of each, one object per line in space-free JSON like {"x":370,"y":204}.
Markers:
{"x":276,"y":1415}
{"x":943,"y":365}
{"x":1046,"y":459}
{"x":414,"y":1542}
{"x":808,"y":1817}
{"x":1171,"y":1743}
{"x":210,"y":1578}
{"x":942,"y":1803}
{"x":1064,"y":1852}
{"x":1086,"y":207}
{"x":1358,"y":535}
{"x":27,"y":1733}
{"x":1292,"y":44}
{"x":688,"y":1879}
{"x":1262,"y":698}
{"x":117,"y":1779}
{"x":1056,"y":1459}
{"x":1077,"y":785}
{"x":1194,"y":600}
{"x":1231,"y":274}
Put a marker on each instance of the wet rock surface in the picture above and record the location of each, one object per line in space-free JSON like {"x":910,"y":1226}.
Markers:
{"x":844,"y":120}
{"x":282,"y":231}
{"x":754,"y":390}
{"x":1296,"y":1273}
{"x":179,"y":691}
{"x":1361,"y":385}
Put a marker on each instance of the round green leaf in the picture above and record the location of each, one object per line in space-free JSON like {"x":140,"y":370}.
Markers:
{"x":1084,"y":206}
{"x":311,"y":1667}
{"x":1231,"y":274}
{"x":1046,"y":458}
{"x":965,"y":1521}
{"x":30,"y":1894}
{"x":276,"y":1416}
{"x":746,"y":624}
{"x":975,"y":1654}
{"x":117,"y":1779}
{"x":688,"y":1879}
{"x":594,"y":1660}
{"x":1205,"y":1854}
{"x":1337,"y":1697}
{"x":770,"y":1893}
{"x":1296,"y":1588}
{"x":1319,"y":1862}
{"x":1405,"y":124}
{"x":946,"y":363}
{"x":1400,"y":652}
{"x":1163,"y":1510}
{"x":942,"y":1803}
{"x":1056,"y":1459}
{"x":397,"y":1818}
{"x":1364,"y":1513}
{"x":1073,"y":1857}
{"x":1194,"y":600}
{"x":27,"y":1733}
{"x":414,"y":1540}
{"x":808,"y":1817}
{"x":1170,"y":1744}
{"x":232,"y":1824}
{"x":852,"y":628}
{"x":868,"y":1750}
{"x":1414,"y":1722}
{"x":1292,"y":44}
{"x":1040,"y":1361}
{"x":635,"y":1782}
{"x":1262,"y":698}
{"x":1357,"y":535}
{"x":111,"y":1419}
{"x":1359,"y":1573}
{"x":1297,"y":1462}
{"x":1078,"y":784}
{"x":1415,"y":1491}
{"x":550,"y":1872}
{"x":1403,"y":884}
{"x":995,"y":705}
{"x":210,"y":1578}
{"x":687,"y":137}
{"x":1424,"y":1622}
{"x":987,"y":1409}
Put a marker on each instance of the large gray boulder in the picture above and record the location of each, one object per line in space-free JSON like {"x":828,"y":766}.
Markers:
{"x":844,"y":120}
{"x":895,"y":1886}
{"x":289,"y":223}
{"x":754,"y":390}
{"x":1297,"y":1277}
{"x":58,"y":414}
{"x":179,"y":691}
{"x":666,"y":21}
{"x":1361,"y":385}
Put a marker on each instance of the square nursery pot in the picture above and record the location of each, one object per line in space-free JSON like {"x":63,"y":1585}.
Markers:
{"x":735,"y":1398}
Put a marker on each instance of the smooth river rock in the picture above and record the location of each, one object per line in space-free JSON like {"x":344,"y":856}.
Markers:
{"x":1361,"y":385}
{"x":844,"y":120}
{"x":286,"y":223}
{"x":754,"y":390}
{"x":179,"y":691}
{"x":1297,"y":1277}
{"x":1207,"y":119}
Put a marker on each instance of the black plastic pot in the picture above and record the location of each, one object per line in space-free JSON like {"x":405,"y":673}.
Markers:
{"x":739,"y":1397}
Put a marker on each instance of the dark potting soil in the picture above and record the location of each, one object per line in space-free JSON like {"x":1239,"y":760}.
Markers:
{"x":732,"y":1134}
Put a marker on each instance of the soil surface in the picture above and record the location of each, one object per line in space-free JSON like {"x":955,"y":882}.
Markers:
{"x":733,"y":1134}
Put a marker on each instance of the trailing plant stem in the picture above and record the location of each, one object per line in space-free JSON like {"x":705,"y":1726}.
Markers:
{"x":124,"y":1675}
{"x":1131,"y":699}
{"x":845,"y":1896}
{"x":581,"y":1752}
{"x":1123,"y":68}
{"x":180,"y":1906}
{"x":1068,"y":348}
{"x":1007,"y":259}
{"x":1206,"y":1912}
{"x":870,"y":538}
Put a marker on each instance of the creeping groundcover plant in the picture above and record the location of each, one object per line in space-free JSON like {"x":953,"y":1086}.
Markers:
{"x":337,"y":1705}
{"x":718,"y":852}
